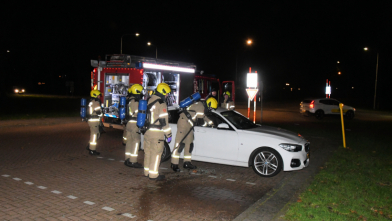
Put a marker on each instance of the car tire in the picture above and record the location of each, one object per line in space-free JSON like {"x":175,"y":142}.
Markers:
{"x":349,"y":115}
{"x":166,"y":154}
{"x":319,"y":114}
{"x":267,"y":162}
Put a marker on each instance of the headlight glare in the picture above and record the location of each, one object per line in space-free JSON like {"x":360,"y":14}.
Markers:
{"x":291,"y":147}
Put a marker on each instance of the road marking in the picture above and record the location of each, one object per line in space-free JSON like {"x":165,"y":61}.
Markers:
{"x":17,"y":179}
{"x":110,"y":159}
{"x":88,"y":202}
{"x":29,"y":183}
{"x":107,"y":208}
{"x":55,"y":191}
{"x":122,"y":161}
{"x":72,"y":197}
{"x":41,"y":187}
{"x":230,"y":180}
{"x":163,"y":168}
{"x":128,"y":215}
{"x":212,"y":176}
{"x":250,"y":183}
{"x":5,"y":175}
{"x":99,"y":157}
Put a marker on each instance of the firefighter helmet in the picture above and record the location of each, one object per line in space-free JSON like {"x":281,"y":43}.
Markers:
{"x":95,"y":93}
{"x":163,"y":88}
{"x":135,"y":89}
{"x":212,"y":103}
{"x":226,"y":93}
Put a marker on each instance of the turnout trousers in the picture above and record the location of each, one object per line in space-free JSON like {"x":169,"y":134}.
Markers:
{"x":132,"y":142}
{"x":187,"y":145}
{"x":94,"y":133}
{"x":153,"y":149}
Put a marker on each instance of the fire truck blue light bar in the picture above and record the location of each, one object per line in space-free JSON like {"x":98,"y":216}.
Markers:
{"x":168,"y":68}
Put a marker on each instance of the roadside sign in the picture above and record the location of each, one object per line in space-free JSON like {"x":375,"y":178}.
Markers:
{"x":251,"y":93}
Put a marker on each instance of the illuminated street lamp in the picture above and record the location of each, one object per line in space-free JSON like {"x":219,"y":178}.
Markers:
{"x":136,"y":34}
{"x":156,"y":49}
{"x":248,"y":42}
{"x":375,"y":84}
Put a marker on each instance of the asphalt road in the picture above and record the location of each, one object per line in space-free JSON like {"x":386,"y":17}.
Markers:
{"x":47,"y":174}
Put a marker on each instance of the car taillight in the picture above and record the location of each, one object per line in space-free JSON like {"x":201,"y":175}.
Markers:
{"x":311,"y":105}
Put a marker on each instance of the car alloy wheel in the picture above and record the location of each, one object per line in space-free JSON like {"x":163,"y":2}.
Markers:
{"x":166,"y":154}
{"x":319,"y":114}
{"x":267,"y":162}
{"x":349,"y":115}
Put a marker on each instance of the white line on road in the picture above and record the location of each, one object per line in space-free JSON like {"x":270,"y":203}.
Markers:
{"x":5,"y":175}
{"x":163,"y":168}
{"x":29,"y":183}
{"x":55,"y":191}
{"x":128,"y":215}
{"x":72,"y":197}
{"x":41,"y":187}
{"x":110,"y":159}
{"x":107,"y":208}
{"x":17,"y":179}
{"x":230,"y":180}
{"x":88,"y":202}
{"x":99,"y":157}
{"x":212,"y":176}
{"x":250,"y":183}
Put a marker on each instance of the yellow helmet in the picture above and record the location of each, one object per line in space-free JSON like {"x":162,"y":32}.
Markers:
{"x":212,"y":103}
{"x":226,"y":93}
{"x":135,"y":89}
{"x":163,"y":88}
{"x":95,"y":93}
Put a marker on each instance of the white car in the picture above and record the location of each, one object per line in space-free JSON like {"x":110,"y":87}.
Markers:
{"x":320,"y":107}
{"x":236,"y":141}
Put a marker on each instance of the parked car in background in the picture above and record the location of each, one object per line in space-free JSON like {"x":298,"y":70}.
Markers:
{"x":322,"y":106}
{"x":18,"y":90}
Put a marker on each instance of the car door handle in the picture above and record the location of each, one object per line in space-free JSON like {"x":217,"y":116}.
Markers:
{"x":201,"y":131}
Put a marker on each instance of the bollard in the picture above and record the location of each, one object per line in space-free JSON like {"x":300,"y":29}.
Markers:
{"x":341,"y":116}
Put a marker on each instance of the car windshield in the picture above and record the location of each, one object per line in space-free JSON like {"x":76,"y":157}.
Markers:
{"x":238,"y":120}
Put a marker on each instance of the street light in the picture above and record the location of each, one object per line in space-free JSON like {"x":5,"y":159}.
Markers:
{"x":375,"y":84}
{"x":156,"y":49}
{"x":248,"y":42}
{"x":136,"y":34}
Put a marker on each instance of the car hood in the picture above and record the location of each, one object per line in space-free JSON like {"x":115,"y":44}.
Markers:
{"x":276,"y":131}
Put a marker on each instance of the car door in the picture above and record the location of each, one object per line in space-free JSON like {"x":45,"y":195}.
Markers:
{"x":213,"y":143}
{"x":325,"y":106}
{"x":334,"y":106}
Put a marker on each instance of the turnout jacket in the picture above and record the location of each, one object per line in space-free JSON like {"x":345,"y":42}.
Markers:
{"x":159,"y":120}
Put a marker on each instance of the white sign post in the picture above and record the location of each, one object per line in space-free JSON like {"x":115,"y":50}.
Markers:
{"x":251,"y":84}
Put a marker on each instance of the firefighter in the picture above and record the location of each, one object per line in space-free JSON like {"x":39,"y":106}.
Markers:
{"x":158,"y":129}
{"x":212,"y":94}
{"x":228,"y":103}
{"x":132,"y":135}
{"x":184,"y":138}
{"x":94,"y":121}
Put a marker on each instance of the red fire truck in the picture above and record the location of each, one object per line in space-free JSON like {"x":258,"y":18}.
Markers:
{"x":118,"y":72}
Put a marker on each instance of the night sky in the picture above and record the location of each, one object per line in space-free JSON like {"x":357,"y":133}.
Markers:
{"x":296,"y":42}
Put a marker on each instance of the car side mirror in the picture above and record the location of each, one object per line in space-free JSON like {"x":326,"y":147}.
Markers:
{"x":223,"y":126}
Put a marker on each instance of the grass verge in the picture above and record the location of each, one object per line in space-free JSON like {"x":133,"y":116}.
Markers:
{"x":355,"y":184}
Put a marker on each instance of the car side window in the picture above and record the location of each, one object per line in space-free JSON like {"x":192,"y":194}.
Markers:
{"x":324,"y":102}
{"x":217,"y":120}
{"x":173,"y":116}
{"x":334,"y":102}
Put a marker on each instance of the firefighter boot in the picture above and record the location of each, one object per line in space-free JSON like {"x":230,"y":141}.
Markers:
{"x":175,"y":167}
{"x":189,"y":165}
{"x":159,"y":178}
{"x":134,"y":165}
{"x":92,"y":152}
